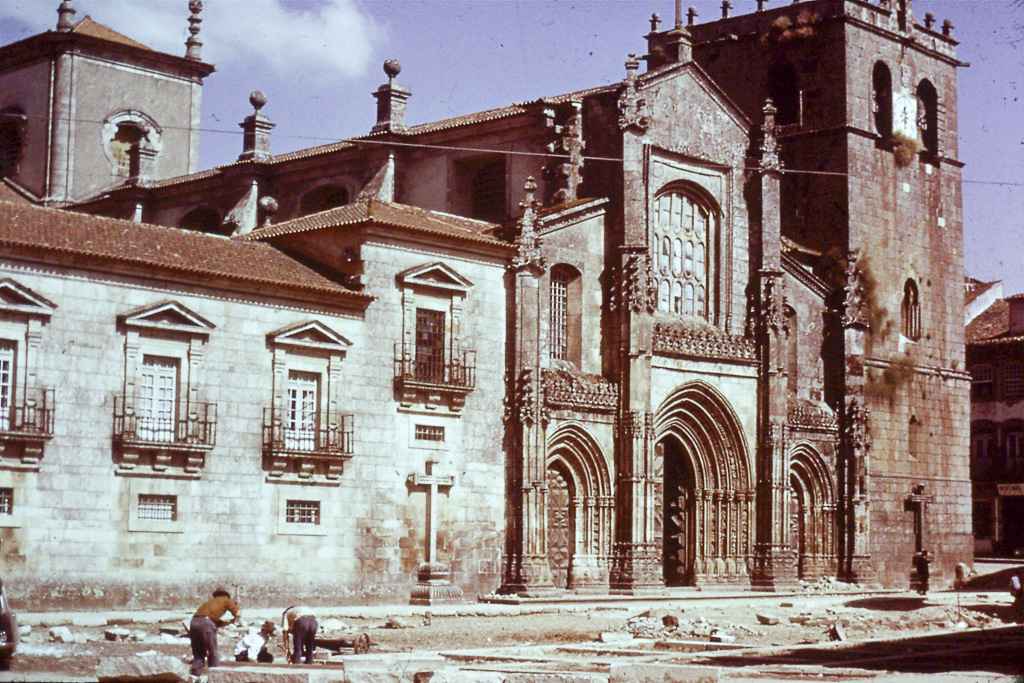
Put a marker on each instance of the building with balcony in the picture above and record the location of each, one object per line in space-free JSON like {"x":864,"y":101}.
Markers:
{"x":698,"y":327}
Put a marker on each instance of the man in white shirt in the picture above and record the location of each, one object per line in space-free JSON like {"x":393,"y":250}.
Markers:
{"x":253,"y":646}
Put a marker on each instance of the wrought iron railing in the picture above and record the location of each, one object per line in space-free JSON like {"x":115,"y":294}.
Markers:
{"x":194,"y":425}
{"x":28,"y":416}
{"x":329,"y":436}
{"x":456,"y":370}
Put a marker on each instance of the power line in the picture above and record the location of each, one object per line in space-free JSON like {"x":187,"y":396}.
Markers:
{"x":549,"y":155}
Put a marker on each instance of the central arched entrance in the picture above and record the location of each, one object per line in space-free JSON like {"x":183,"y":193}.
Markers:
{"x":679,"y":531}
{"x":708,"y":498}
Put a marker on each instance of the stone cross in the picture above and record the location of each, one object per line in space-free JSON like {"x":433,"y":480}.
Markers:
{"x":433,"y":482}
{"x":918,"y":502}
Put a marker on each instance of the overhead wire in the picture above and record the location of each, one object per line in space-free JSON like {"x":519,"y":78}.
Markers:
{"x":550,"y":155}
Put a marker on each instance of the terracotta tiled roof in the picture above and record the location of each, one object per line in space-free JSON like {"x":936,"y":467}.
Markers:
{"x":375,"y":211}
{"x":110,"y":242}
{"x":974,"y":288}
{"x":992,"y":323}
{"x":88,"y":27}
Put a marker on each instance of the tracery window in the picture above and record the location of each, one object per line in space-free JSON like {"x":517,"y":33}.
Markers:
{"x":683,"y":239}
{"x":911,"y":311}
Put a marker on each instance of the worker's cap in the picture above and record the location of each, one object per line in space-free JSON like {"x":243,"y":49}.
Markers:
{"x":268,"y":627}
{"x":221,"y":590}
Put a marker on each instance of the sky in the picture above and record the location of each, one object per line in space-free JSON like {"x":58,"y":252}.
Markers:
{"x":318,"y":61}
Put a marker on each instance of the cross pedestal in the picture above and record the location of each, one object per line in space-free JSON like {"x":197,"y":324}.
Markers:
{"x":432,"y":585}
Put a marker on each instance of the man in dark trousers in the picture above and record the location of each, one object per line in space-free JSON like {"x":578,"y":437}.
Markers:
{"x":202,"y":630}
{"x":300,"y":622}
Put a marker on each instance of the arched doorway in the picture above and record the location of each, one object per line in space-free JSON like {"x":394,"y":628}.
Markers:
{"x":812,"y":513}
{"x":580,"y":509}
{"x":561,"y":524}
{"x":680,"y":520}
{"x":708,"y":498}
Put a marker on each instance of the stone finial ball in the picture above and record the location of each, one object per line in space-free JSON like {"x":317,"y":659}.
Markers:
{"x":392,"y":68}
{"x":257,"y":99}
{"x":268,"y":204}
{"x":195,"y":6}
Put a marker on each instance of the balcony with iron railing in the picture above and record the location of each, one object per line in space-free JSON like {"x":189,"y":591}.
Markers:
{"x":318,"y":449}
{"x":28,"y":417}
{"x":172,"y":445}
{"x":427,"y":378}
{"x":194,"y":426}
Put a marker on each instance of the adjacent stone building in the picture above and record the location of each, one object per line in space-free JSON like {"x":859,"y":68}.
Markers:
{"x":700,"y":327}
{"x":995,"y":359}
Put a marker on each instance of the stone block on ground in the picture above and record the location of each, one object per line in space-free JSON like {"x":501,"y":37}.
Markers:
{"x":768,"y":619}
{"x":332,"y":624}
{"x":658,"y":673}
{"x":117,"y":633}
{"x":719,"y":637}
{"x":61,"y":634}
{"x":87,"y":620}
{"x":274,"y":674}
{"x":615,"y":637}
{"x":156,"y":668}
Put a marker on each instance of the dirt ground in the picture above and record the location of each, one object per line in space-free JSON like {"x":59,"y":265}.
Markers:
{"x":747,"y":620}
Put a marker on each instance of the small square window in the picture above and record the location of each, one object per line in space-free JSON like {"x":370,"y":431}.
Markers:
{"x":429,"y":433}
{"x":158,"y":508}
{"x":6,"y":501}
{"x":302,"y":512}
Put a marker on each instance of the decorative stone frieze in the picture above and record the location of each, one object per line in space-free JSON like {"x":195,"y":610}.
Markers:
{"x":578,"y":391}
{"x":676,"y":340}
{"x":639,"y":288}
{"x":810,"y":415}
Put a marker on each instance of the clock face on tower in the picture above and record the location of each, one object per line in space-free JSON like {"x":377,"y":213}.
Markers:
{"x":905,"y":113}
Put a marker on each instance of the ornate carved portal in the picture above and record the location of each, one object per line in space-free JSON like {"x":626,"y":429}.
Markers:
{"x":708,"y":499}
{"x":561,"y":531}
{"x":812,"y":514}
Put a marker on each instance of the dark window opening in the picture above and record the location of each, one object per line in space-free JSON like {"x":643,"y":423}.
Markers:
{"x":488,"y":192}
{"x":928,"y":117}
{"x":203,"y":219}
{"x":784,"y":91}
{"x":881,"y":100}
{"x":982,"y":381}
{"x":12,"y":140}
{"x":323,"y":198}
{"x":302,"y":512}
{"x":125,"y":147}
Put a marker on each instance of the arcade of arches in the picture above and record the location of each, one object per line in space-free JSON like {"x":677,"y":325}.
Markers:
{"x":704,"y":499}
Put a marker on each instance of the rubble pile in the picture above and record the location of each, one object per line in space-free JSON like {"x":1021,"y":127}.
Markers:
{"x":829,"y":584}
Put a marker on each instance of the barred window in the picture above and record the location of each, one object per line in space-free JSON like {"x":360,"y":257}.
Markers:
{"x":1013,"y":379}
{"x":158,"y":508}
{"x":982,"y":381}
{"x":6,"y":501}
{"x":429,"y":433}
{"x":559,"y":313}
{"x":302,"y":512}
{"x":683,"y":240}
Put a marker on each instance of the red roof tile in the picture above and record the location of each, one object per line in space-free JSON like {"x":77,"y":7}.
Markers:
{"x":380,"y":212}
{"x":993,"y":322}
{"x":180,"y":253}
{"x":88,"y":27}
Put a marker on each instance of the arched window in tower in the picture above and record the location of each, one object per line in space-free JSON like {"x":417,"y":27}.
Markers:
{"x":683,"y":240}
{"x":12,"y":140}
{"x":911,"y":311}
{"x":565,"y":314}
{"x":323,"y":198}
{"x":928,"y":116}
{"x":125,"y":147}
{"x":784,"y":90}
{"x":881,"y":99}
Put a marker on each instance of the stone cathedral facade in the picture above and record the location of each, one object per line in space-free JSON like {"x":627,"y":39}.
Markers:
{"x":702,"y":327}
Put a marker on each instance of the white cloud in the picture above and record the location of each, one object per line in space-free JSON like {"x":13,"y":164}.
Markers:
{"x":280,"y":36}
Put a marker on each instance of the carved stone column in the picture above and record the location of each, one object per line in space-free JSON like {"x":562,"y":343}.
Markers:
{"x":855,"y":437}
{"x":527,"y":571}
{"x":774,"y":556}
